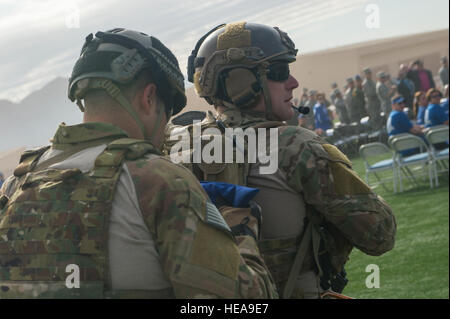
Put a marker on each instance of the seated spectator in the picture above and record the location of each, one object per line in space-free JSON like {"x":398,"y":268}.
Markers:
{"x":399,"y":123}
{"x":435,"y":114}
{"x":420,"y":105}
{"x":321,"y":119}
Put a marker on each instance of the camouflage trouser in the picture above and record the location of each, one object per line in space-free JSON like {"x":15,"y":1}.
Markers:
{"x":375,"y":119}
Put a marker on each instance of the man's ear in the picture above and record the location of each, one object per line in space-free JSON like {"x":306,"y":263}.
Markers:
{"x":148,"y":98}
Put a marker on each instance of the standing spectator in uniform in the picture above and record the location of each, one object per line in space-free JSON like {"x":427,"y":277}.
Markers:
{"x":334,"y":86}
{"x":443,"y":71}
{"x":384,"y":93}
{"x":420,"y":105}
{"x":422,"y":78}
{"x":358,"y":110}
{"x":322,"y":120}
{"x":435,"y":114}
{"x":348,"y":95}
{"x":304,"y":97}
{"x":405,"y":86}
{"x":371,"y":99}
{"x":307,"y":120}
{"x":399,"y":123}
{"x":341,"y":108}
{"x":444,"y":101}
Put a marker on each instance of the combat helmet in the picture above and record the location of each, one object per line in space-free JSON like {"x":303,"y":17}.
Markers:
{"x":231,"y":63}
{"x":118,"y":56}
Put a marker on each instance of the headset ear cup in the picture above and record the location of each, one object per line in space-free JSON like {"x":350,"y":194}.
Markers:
{"x":242,"y":87}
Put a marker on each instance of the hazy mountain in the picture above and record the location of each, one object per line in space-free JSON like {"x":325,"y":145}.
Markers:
{"x":33,"y":121}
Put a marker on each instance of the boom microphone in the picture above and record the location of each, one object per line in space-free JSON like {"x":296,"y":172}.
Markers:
{"x":301,"y":109}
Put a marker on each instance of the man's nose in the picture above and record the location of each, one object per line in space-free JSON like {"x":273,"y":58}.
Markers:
{"x":291,"y":83}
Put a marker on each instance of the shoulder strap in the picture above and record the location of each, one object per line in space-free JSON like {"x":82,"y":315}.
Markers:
{"x":298,"y":261}
{"x":135,"y":148}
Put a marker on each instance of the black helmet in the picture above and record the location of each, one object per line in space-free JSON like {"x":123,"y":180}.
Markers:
{"x":220,"y":63}
{"x":120,"y":55}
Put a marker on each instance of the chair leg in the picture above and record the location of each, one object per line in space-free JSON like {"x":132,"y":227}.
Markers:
{"x":400,"y":177}
{"x":432,"y":173}
{"x":411,"y":175}
{"x":435,"y":173}
{"x":382,"y":184}
{"x":394,"y":180}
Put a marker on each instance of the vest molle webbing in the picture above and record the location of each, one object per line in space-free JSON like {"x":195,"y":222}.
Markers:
{"x":58,"y":218}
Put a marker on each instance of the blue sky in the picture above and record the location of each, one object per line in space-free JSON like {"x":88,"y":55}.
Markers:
{"x":42,"y":39}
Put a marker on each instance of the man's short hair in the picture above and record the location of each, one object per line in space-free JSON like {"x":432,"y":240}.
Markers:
{"x":95,"y":98}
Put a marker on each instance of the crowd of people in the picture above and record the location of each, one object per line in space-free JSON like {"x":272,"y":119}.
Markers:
{"x":410,"y":103}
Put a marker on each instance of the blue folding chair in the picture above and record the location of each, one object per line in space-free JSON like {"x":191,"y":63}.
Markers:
{"x":371,"y":153}
{"x":435,"y":135}
{"x":403,"y":142}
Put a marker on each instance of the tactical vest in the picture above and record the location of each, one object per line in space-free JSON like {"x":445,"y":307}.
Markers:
{"x":279,"y":254}
{"x":54,"y":228}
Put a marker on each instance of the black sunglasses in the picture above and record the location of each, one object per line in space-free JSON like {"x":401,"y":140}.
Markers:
{"x":278,"y":71}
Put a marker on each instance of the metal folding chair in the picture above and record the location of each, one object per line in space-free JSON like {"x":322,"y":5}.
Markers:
{"x":439,"y":134}
{"x":371,"y":154}
{"x":403,"y":142}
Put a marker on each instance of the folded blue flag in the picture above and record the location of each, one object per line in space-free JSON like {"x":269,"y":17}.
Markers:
{"x":229,"y":194}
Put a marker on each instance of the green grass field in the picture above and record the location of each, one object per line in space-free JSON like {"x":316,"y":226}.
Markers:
{"x":417,"y":267}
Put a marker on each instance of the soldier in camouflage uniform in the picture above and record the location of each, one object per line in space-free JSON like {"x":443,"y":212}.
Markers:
{"x":341,"y":108}
{"x":335,"y":89}
{"x":307,"y":120}
{"x":103,"y":200}
{"x":372,"y":101}
{"x":243,"y":70}
{"x":348,"y":95}
{"x":384,"y":93}
{"x":358,"y":110}
{"x":304,"y":97}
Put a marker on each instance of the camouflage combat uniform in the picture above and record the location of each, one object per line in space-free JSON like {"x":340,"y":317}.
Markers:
{"x":357,"y":111}
{"x":315,"y":208}
{"x":314,"y":182}
{"x":372,"y":103}
{"x":136,"y":224}
{"x":384,"y":96}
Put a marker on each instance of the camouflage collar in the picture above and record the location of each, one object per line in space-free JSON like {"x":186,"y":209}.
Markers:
{"x":237,"y":118}
{"x":86,"y":133}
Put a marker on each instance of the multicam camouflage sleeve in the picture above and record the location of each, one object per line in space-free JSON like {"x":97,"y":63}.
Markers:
{"x":325,"y":176}
{"x":8,"y":186}
{"x":198,"y":253}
